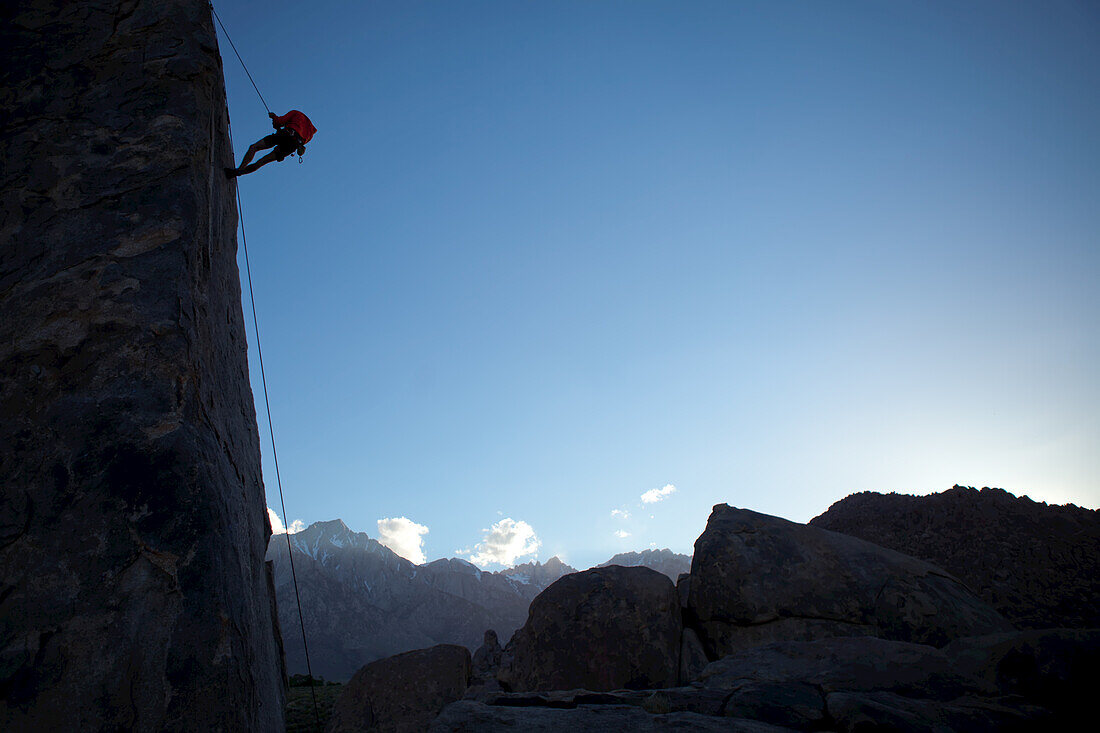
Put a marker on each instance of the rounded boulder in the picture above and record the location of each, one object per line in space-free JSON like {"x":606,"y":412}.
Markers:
{"x":602,"y":629}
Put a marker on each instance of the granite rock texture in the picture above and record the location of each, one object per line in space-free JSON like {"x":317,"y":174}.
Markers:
{"x":757,"y":579}
{"x":1038,"y":564}
{"x":133,"y":591}
{"x":601,"y":629}
{"x":402,"y":693}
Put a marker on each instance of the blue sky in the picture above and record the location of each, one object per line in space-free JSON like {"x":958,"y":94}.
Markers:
{"x":544,"y":257}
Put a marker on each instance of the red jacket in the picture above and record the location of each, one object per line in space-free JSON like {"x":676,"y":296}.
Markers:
{"x":298,"y":122}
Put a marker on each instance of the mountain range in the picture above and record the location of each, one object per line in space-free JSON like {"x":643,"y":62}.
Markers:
{"x":361,"y":601}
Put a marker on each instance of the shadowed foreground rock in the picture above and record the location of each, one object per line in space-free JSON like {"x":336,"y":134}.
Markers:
{"x":757,"y":578}
{"x":403,"y":693}
{"x":486,"y":661}
{"x":474,"y":717}
{"x":601,"y":629}
{"x":133,"y":592}
{"x":1021,"y":681}
{"x":1055,"y":668}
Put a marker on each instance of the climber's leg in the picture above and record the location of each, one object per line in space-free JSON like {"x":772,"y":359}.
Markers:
{"x":244,"y":169}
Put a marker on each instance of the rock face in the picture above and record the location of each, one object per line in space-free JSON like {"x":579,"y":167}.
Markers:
{"x":601,"y":629}
{"x":757,"y":578}
{"x":363,"y":602}
{"x":1038,"y":565}
{"x":403,"y":693}
{"x":663,"y":561}
{"x":133,"y":593}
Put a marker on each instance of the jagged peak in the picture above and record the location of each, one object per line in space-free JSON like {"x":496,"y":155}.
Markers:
{"x":331,"y":526}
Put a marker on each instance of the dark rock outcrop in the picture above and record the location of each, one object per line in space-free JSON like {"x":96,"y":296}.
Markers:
{"x":601,"y":629}
{"x":886,"y":711}
{"x":663,"y":561}
{"x":839,"y":683}
{"x":1055,"y":668}
{"x":363,"y":602}
{"x":1038,"y":564}
{"x":693,"y":658}
{"x":845,"y":664}
{"x":762,"y":569}
{"x":403,"y":693}
{"x":133,"y":593}
{"x":757,"y":578}
{"x":486,"y":660}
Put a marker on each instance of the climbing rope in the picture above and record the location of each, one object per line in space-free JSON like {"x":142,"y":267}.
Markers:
{"x":275,"y":454}
{"x":263,"y":381}
{"x":243,"y":64}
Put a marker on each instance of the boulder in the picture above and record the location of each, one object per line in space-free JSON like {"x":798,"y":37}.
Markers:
{"x":602,"y":629}
{"x":757,"y":578}
{"x":403,"y":693}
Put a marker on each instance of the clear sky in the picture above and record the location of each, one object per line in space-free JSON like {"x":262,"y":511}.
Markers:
{"x":544,"y":257}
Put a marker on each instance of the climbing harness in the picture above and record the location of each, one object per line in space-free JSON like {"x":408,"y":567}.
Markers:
{"x":263,"y":381}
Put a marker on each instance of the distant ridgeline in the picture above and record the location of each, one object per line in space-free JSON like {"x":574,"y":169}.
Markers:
{"x":362,"y":602}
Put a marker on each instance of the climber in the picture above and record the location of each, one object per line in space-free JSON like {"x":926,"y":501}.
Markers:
{"x":292,"y":131}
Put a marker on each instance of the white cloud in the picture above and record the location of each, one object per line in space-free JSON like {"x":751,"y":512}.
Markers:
{"x":620,"y":513}
{"x":658,"y":494}
{"x":277,"y":524}
{"x":621,"y":534}
{"x":504,"y":543}
{"x":403,"y":536}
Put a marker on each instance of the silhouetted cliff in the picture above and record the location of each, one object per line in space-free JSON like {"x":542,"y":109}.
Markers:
{"x":1037,"y":564}
{"x":133,"y":592}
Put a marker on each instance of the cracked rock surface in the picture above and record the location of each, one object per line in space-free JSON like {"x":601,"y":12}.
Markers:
{"x":133,"y":593}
